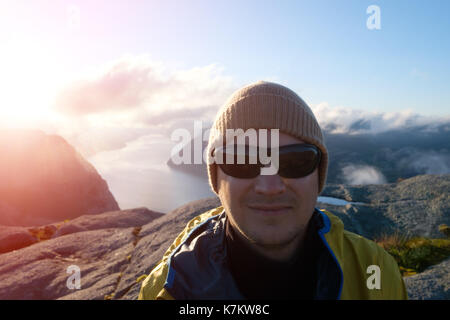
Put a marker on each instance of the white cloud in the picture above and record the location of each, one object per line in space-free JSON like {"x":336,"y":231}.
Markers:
{"x":362,"y":174}
{"x":430,"y":162}
{"x":135,"y":89}
{"x":125,"y":99}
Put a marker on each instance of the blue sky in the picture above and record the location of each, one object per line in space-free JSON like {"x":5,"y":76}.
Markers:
{"x":321,"y":49}
{"x":324,"y":51}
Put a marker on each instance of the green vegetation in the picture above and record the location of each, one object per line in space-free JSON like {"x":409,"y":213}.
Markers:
{"x":415,"y":254}
{"x":43,"y":233}
{"x":46,"y":232}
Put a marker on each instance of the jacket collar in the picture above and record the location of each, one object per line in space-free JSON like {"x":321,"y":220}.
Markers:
{"x":198,"y":267}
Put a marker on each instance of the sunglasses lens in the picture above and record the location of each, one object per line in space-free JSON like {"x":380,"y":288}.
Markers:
{"x":242,"y":171}
{"x":298,"y":164}
{"x":240,"y":162}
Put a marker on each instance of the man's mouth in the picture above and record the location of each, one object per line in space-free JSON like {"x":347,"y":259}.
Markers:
{"x":272,"y":209}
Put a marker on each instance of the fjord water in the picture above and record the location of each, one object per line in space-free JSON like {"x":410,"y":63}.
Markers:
{"x":138,"y":176}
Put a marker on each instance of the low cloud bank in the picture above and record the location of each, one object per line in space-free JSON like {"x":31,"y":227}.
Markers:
{"x":344,"y":120}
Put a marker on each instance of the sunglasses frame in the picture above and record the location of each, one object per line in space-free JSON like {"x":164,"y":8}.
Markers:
{"x":281,"y":150}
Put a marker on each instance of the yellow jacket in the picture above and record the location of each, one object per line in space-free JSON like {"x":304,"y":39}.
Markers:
{"x":194,"y":265}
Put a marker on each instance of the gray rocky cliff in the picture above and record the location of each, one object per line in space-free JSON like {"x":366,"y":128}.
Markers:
{"x":44,"y":180}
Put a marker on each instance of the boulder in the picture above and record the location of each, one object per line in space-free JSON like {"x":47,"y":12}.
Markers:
{"x":41,"y":270}
{"x":14,"y":238}
{"x":114,"y":219}
{"x":100,"y":246}
{"x":431,"y":284}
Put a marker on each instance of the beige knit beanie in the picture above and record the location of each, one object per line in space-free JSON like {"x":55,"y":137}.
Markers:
{"x":267,"y":105}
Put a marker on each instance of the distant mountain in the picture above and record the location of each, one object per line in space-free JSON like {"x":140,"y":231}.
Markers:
{"x":114,"y":250}
{"x":366,"y":158}
{"x":44,"y":179}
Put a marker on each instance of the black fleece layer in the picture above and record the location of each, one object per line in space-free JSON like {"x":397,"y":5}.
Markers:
{"x":259,"y":277}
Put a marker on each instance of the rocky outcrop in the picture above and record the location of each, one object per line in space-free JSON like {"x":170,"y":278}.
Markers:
{"x":101,"y":251}
{"x":415,"y":206}
{"x":111,"y":250}
{"x":156,"y":237}
{"x":41,"y":270}
{"x":13,"y":238}
{"x":45,"y":180}
{"x":114,"y":219}
{"x":432,"y":284}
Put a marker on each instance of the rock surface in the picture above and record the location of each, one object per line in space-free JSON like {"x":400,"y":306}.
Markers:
{"x":100,"y":252}
{"x":416,"y":206}
{"x":114,"y":219}
{"x":156,"y":237}
{"x":431,"y":284}
{"x":45,"y":180}
{"x":40,"y":271}
{"x":14,"y":238}
{"x":114,"y":249}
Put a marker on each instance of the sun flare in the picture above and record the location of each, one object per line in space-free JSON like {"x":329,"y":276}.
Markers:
{"x":29,"y":79}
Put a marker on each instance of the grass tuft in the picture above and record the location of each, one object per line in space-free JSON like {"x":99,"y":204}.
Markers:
{"x":414,"y":254}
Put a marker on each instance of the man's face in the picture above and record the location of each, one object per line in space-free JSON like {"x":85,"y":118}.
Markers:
{"x":252,"y":204}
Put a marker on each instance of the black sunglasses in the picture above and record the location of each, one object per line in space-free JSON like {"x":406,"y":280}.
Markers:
{"x":295,"y":161}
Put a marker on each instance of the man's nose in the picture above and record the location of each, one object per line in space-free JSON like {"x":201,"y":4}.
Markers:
{"x":269,"y":184}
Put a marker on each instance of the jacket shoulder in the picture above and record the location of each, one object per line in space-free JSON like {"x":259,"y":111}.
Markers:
{"x":346,"y":242}
{"x":369,"y":271}
{"x":152,"y":287}
{"x":382,"y":278}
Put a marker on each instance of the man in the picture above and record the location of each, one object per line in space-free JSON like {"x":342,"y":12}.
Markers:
{"x":267,"y":240}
